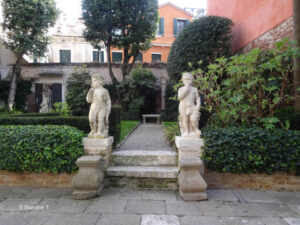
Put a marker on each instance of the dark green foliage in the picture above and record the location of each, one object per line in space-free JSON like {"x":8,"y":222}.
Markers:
{"x":40,"y":148}
{"x":251,"y":150}
{"x":24,"y":88}
{"x":138,"y":91}
{"x":131,"y":115}
{"x":289,"y":114}
{"x":35,"y":115}
{"x":205,"y":39}
{"x":171,"y":111}
{"x":78,"y":86}
{"x":82,"y":123}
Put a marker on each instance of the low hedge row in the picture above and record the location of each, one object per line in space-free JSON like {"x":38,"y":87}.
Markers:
{"x":238,"y":150}
{"x":40,"y":148}
{"x":82,"y":123}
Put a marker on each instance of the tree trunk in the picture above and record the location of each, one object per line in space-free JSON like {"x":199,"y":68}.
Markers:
{"x":13,"y":83}
{"x":296,"y":5}
{"x":111,"y":73}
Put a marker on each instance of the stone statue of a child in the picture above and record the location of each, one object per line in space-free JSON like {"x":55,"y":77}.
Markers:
{"x":100,"y":101}
{"x":189,"y":108}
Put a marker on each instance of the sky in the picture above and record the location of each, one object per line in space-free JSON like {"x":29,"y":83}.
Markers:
{"x":73,"y":7}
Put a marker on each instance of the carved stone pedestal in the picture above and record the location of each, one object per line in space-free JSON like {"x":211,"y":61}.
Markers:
{"x":88,"y":183}
{"x":102,"y":147}
{"x":191,"y":184}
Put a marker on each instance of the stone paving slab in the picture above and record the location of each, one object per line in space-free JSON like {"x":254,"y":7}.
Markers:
{"x":160,"y":220}
{"x":147,"y":137}
{"x":258,"y":196}
{"x":146,"y":207}
{"x":128,"y":207}
{"x":119,"y":219}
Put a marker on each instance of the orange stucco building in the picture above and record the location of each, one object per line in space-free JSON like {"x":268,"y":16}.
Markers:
{"x":257,"y":23}
{"x":172,"y":20}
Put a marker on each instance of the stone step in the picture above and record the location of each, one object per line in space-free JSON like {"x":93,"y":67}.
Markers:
{"x":143,"y":177}
{"x":144,"y":158}
{"x":143,"y":171}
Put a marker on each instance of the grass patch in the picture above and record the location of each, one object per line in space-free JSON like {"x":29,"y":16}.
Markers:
{"x":126,"y":127}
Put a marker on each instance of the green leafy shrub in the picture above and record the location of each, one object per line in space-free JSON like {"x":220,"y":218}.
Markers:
{"x":138,"y":91}
{"x":241,"y":150}
{"x":40,"y":148}
{"x":131,"y":115}
{"x":82,"y":123}
{"x":171,"y":130}
{"x":78,"y":86}
{"x":246,"y":89}
{"x":34,"y":115}
{"x":62,"y":108}
{"x":24,"y":88}
{"x":205,"y":39}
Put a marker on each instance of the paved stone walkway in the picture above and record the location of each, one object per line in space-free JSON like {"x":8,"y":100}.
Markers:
{"x":41,"y":206}
{"x":147,"y":137}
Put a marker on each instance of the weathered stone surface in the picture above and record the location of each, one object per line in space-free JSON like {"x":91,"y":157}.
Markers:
{"x":191,"y":184}
{"x":257,"y":196}
{"x":101,"y":147}
{"x":292,"y":221}
{"x":144,"y":158}
{"x":216,"y":208}
{"x":88,"y":183}
{"x":200,"y":220}
{"x":221,"y":195}
{"x":160,"y":220}
{"x":131,"y":194}
{"x":296,"y":208}
{"x":183,"y":208}
{"x":262,"y":210}
{"x":64,"y":205}
{"x":118,"y":219}
{"x":106,"y":205}
{"x":145,"y":207}
{"x":252,"y":221}
{"x":17,"y":205}
{"x":192,"y":144}
{"x":143,"y":171}
{"x":143,"y":183}
{"x":72,"y":218}
{"x":159,"y":195}
{"x":21,"y":218}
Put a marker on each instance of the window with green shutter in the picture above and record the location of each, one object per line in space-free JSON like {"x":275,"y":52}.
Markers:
{"x":179,"y":24}
{"x":96,"y":56}
{"x":117,"y":57}
{"x":139,"y":58}
{"x":65,"y":56}
{"x":156,"y":58}
{"x":101,"y":56}
{"x":161,"y":27}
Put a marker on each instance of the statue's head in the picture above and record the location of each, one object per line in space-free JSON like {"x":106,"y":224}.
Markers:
{"x":187,"y":78}
{"x":97,"y":80}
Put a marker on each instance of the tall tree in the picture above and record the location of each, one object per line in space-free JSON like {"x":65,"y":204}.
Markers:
{"x":25,"y":26}
{"x":126,"y":24}
{"x":296,"y":5}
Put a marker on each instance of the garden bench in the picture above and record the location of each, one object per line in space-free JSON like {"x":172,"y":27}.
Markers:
{"x":157,"y":116}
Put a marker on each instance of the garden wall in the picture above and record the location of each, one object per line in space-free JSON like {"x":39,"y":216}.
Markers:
{"x":215,"y":180}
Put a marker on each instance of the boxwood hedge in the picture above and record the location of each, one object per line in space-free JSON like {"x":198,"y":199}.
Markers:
{"x":238,"y":150}
{"x":81,"y":122}
{"x":40,"y":148}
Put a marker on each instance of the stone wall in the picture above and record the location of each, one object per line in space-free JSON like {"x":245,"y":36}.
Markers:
{"x":276,"y":181}
{"x":268,"y":39}
{"x":49,"y":73}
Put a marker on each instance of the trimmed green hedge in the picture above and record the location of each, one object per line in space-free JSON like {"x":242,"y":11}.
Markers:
{"x":35,"y":115}
{"x":40,"y":148}
{"x":81,"y":123}
{"x":238,"y":150}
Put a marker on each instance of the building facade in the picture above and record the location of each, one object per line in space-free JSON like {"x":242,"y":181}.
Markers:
{"x":172,"y":20}
{"x":257,"y":23}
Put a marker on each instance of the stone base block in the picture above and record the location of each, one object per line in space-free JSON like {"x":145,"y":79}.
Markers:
{"x":88,"y":182}
{"x":202,"y":196}
{"x":192,"y":186}
{"x":101,"y":147}
{"x":87,"y":194}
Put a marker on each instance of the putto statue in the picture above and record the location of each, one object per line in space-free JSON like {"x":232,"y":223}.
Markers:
{"x":100,"y":101}
{"x":189,"y":108}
